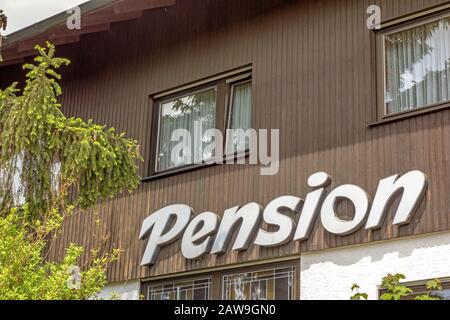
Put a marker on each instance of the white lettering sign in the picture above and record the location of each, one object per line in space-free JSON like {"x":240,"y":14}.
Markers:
{"x":206,"y":233}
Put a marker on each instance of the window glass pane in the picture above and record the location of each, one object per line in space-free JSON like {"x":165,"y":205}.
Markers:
{"x":11,"y":182}
{"x":186,"y":119}
{"x":188,"y":290}
{"x":423,"y":291}
{"x":274,"y":284}
{"x":240,"y":119}
{"x":201,"y":290}
{"x":418,"y":66}
{"x":443,"y":294}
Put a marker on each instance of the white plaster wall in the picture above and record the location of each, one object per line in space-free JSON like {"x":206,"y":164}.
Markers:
{"x":129,"y":290}
{"x":329,"y":275}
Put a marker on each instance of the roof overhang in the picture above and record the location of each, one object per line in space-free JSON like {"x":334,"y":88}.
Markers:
{"x":96,"y":16}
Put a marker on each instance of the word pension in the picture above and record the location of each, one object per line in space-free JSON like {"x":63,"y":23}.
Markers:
{"x":207,"y":233}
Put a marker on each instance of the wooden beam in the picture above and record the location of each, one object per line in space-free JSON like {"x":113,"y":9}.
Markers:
{"x":59,"y":35}
{"x":66,"y":39}
{"x":56,"y":39}
{"x":30,"y":44}
{"x":9,"y":62}
{"x":99,"y":15}
{"x":96,"y":19}
{"x":15,"y":55}
{"x":62,"y":29}
{"x":10,"y":49}
{"x":126,"y":6}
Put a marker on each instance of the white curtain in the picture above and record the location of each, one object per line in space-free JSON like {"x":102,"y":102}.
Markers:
{"x":418,"y":66}
{"x":240,"y":117}
{"x":183,"y":113}
{"x":14,"y":183}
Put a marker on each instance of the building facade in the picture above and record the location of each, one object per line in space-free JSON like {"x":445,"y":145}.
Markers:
{"x":370,"y":107}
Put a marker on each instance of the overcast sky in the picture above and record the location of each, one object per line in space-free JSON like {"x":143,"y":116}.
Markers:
{"x":22,"y":13}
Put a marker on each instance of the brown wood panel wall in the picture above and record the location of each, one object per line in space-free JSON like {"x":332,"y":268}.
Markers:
{"x":313,"y":77}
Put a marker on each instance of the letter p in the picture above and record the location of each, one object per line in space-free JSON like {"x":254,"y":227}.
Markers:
{"x":164,"y":229}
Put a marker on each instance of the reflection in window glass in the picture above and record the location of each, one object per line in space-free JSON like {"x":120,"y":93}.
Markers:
{"x":274,"y":284}
{"x":11,"y":179}
{"x":418,"y":66}
{"x":180,"y":118}
{"x":240,"y":118}
{"x":189,"y":290}
{"x":443,"y":294}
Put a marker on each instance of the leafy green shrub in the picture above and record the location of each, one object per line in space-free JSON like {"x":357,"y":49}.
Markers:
{"x":396,"y":291}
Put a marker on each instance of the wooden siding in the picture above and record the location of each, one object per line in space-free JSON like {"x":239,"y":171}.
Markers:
{"x":313,"y":77}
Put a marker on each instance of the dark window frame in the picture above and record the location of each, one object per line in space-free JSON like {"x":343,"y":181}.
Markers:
{"x":224,"y":98}
{"x":409,"y":21}
{"x":146,"y":285}
{"x":217,"y":276}
{"x":296,"y":279}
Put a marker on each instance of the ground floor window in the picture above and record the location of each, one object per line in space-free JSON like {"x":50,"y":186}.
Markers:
{"x":183,"y":290}
{"x":272,"y":281}
{"x":271,"y":284}
{"x":420,"y":288}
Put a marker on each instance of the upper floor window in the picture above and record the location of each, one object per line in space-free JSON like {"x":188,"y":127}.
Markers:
{"x":417,"y":65}
{"x":186,"y":119}
{"x":180,"y":118}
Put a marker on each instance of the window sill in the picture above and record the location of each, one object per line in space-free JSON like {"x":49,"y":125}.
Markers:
{"x":190,"y":168}
{"x":409,"y":114}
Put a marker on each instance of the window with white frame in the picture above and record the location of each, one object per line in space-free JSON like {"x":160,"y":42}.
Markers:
{"x":417,"y":65}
